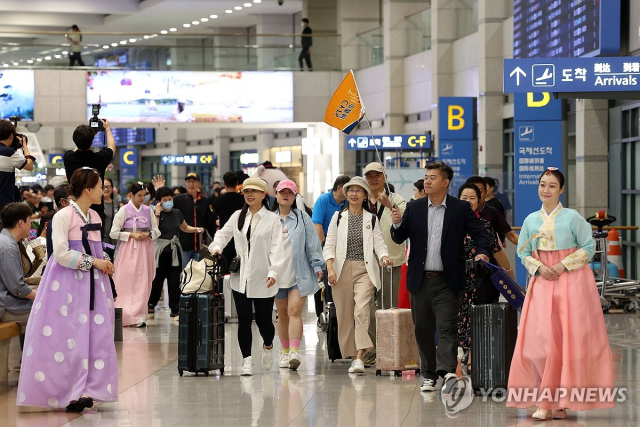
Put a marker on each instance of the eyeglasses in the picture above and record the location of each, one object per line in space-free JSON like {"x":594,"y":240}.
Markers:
{"x":355,"y":191}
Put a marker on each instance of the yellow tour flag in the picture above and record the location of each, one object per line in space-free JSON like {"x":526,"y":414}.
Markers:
{"x":345,"y":110}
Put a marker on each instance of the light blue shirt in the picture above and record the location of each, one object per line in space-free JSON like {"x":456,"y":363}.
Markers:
{"x":436,"y":220}
{"x":13,"y":290}
{"x":307,"y":253}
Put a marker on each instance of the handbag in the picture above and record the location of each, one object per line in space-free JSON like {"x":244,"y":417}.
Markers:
{"x":234,"y":265}
{"x":508,"y":287}
{"x":196,"y":278}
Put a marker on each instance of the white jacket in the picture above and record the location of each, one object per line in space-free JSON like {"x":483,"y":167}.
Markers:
{"x":335,"y":246}
{"x":265,"y":258}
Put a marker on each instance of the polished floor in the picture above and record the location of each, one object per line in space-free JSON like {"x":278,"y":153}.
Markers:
{"x":320,"y":393}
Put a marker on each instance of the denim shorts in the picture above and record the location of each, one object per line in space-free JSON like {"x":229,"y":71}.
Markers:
{"x":284,"y":293}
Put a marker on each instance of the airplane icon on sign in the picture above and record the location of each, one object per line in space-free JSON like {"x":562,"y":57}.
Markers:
{"x":526,"y":133}
{"x":543,"y":75}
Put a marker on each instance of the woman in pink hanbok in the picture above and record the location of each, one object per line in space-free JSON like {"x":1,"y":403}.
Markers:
{"x":134,"y":227}
{"x":69,"y":356}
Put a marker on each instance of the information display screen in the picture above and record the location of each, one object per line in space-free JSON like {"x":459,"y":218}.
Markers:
{"x":128,"y":136}
{"x":17,"y":94}
{"x":565,"y":28}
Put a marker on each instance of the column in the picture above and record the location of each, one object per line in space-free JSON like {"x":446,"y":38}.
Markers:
{"x":592,"y":148}
{"x":270,"y":58}
{"x":354,"y":18}
{"x":264,"y":143}
{"x":178,"y":146}
{"x":322,"y":16}
{"x":490,"y":62}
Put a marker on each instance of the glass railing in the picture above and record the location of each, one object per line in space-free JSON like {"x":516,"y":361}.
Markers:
{"x":199,"y":52}
{"x":419,"y":32}
{"x":371,"y":48}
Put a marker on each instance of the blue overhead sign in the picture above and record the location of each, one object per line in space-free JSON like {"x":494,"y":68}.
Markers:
{"x":457,"y":119}
{"x":620,"y":74}
{"x":190,"y":159}
{"x":389,"y":142}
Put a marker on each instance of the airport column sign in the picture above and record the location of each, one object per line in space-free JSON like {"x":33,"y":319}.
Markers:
{"x":619,"y":74}
{"x":128,"y":166}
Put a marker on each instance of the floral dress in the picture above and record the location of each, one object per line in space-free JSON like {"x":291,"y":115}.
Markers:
{"x":466,"y":297}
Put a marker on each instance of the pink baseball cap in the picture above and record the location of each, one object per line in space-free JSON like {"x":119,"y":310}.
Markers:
{"x":287,"y":183}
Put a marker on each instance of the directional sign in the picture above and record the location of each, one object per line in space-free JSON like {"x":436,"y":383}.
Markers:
{"x":190,"y":159}
{"x":389,"y":142}
{"x":620,"y":74}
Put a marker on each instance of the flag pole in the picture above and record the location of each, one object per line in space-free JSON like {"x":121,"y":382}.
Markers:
{"x":373,"y":139}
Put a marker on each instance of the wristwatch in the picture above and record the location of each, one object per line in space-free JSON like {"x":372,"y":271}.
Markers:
{"x":30,"y":157}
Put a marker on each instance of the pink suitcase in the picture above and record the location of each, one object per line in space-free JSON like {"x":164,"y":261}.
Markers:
{"x":396,"y":348}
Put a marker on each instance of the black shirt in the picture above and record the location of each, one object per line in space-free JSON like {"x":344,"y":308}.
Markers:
{"x":226,"y":204}
{"x":169,"y":224}
{"x":196,"y":214}
{"x":307,"y":41}
{"x":495,"y":203}
{"x":499,"y":224}
{"x":99,"y":160}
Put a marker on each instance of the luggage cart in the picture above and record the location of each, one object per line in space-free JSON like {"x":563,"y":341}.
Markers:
{"x":620,"y":292}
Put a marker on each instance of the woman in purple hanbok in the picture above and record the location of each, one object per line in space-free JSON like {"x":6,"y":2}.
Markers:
{"x":69,"y":356}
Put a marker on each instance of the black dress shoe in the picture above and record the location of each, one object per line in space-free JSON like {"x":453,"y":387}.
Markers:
{"x":79,"y":406}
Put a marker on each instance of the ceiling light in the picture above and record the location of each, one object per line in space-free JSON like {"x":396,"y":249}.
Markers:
{"x":39,"y":59}
{"x":228,"y":11}
{"x":238,"y":8}
{"x":123,"y":42}
{"x":164,"y":32}
{"x":64,"y":52}
{"x":5,"y":65}
{"x":106,"y":46}
{"x":195,"y":23}
{"x":155,"y":35}
{"x":257,"y":1}
{"x":248,"y":5}
{"x":47,"y":58}
{"x":146,"y":37}
{"x":213,"y":16}
{"x":57,"y":57}
{"x":114,"y":44}
{"x":15,"y":64}
{"x":186,"y":25}
{"x":204,"y":19}
{"x":133,"y":40}
{"x":173,"y":30}
{"x":30,"y":61}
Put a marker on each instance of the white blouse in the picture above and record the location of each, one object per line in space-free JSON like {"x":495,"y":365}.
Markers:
{"x":264,"y":259}
{"x":120,"y":219}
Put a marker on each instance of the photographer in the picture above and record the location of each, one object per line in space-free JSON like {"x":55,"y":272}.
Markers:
{"x":14,"y":154}
{"x":84,"y":156}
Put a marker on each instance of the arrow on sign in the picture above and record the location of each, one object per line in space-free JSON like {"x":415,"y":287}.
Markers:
{"x":518,"y":71}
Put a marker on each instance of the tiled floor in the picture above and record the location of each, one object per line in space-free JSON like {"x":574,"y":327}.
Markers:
{"x":321,"y":393}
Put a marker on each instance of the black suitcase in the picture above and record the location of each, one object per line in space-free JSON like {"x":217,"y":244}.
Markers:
{"x":494,"y":330}
{"x":333,"y":346}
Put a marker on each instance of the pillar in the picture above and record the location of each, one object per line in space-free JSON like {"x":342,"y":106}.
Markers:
{"x":178,"y":146}
{"x":592,"y":160}
{"x":354,"y":18}
{"x":322,"y":16}
{"x":271,"y":58}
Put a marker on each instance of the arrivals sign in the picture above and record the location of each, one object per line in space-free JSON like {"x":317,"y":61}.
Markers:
{"x":190,"y":159}
{"x":619,"y":74}
{"x":389,"y":142}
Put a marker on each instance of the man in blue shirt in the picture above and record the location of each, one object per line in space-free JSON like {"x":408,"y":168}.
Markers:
{"x":16,"y":297}
{"x":326,"y":205}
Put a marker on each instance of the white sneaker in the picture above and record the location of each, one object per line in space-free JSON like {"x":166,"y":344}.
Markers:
{"x":284,"y":361}
{"x":449,"y":384}
{"x":357,"y":367}
{"x":428,"y":385}
{"x":267,"y":358}
{"x":294,"y":360}
{"x":247,"y":367}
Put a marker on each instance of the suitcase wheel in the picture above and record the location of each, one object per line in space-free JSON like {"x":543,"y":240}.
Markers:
{"x":378,"y":373}
{"x":398,"y":373}
{"x":180,"y":371}
{"x":206,"y":373}
{"x":221,"y":371}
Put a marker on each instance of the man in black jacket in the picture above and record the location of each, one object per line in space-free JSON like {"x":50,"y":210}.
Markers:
{"x":437,"y":225}
{"x":197,"y":212}
{"x":307,"y":42}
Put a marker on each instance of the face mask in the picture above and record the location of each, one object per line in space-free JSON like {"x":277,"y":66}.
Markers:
{"x":167,"y":205}
{"x":147,"y":198}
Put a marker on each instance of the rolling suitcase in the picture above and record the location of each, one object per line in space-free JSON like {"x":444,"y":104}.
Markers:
{"x":333,"y":346}
{"x":201,"y":330}
{"x":396,"y":347}
{"x":494,"y":330}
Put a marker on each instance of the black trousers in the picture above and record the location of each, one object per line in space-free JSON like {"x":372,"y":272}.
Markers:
{"x":436,"y":306}
{"x":264,"y":312}
{"x":75,"y":56}
{"x":165,"y":270}
{"x":306,"y":56}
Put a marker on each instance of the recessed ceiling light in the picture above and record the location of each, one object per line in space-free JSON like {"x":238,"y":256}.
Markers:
{"x":57,"y":56}
{"x":204,"y":19}
{"x":106,"y":46}
{"x":155,"y":35}
{"x":173,"y":29}
{"x":213,"y":16}
{"x":47,"y":58}
{"x":164,"y":32}
{"x":114,"y":44}
{"x":30,"y":61}
{"x":248,"y":5}
{"x":38,"y":59}
{"x":195,"y":23}
{"x":64,"y":52}
{"x":5,"y":65}
{"x":123,"y":42}
{"x":146,"y":37}
{"x":257,"y":1}
{"x":133,"y":40}
{"x":16,"y":64}
{"x":186,"y":25}
{"x":238,"y":8}
{"x":228,"y":11}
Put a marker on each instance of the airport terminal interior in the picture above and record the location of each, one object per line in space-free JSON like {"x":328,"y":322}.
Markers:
{"x":171,"y":138}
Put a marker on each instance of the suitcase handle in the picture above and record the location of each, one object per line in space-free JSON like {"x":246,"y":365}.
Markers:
{"x":199,"y":336}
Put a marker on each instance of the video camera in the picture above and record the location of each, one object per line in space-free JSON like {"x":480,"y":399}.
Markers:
{"x":94,"y":122}
{"x":15,"y":144}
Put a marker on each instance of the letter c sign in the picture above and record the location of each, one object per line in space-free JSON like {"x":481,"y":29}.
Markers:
{"x":126,"y":157}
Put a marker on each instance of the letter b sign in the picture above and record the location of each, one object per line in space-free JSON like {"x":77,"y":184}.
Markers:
{"x":455,"y":117}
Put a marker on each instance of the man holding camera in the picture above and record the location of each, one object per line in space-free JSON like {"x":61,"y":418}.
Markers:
{"x":84,"y":156}
{"x":14,"y":154}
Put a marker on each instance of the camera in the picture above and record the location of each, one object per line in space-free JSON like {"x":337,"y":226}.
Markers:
{"x":94,"y":122}
{"x":15,"y":144}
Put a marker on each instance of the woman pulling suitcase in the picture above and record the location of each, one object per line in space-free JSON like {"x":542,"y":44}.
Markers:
{"x":257,"y":235}
{"x":353,"y":236}
{"x":562,"y":341}
{"x":300,"y":276}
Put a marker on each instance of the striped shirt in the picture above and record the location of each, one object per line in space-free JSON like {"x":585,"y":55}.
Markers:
{"x":436,"y":219}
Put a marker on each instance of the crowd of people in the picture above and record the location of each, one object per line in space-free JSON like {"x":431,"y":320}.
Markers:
{"x":64,"y":282}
